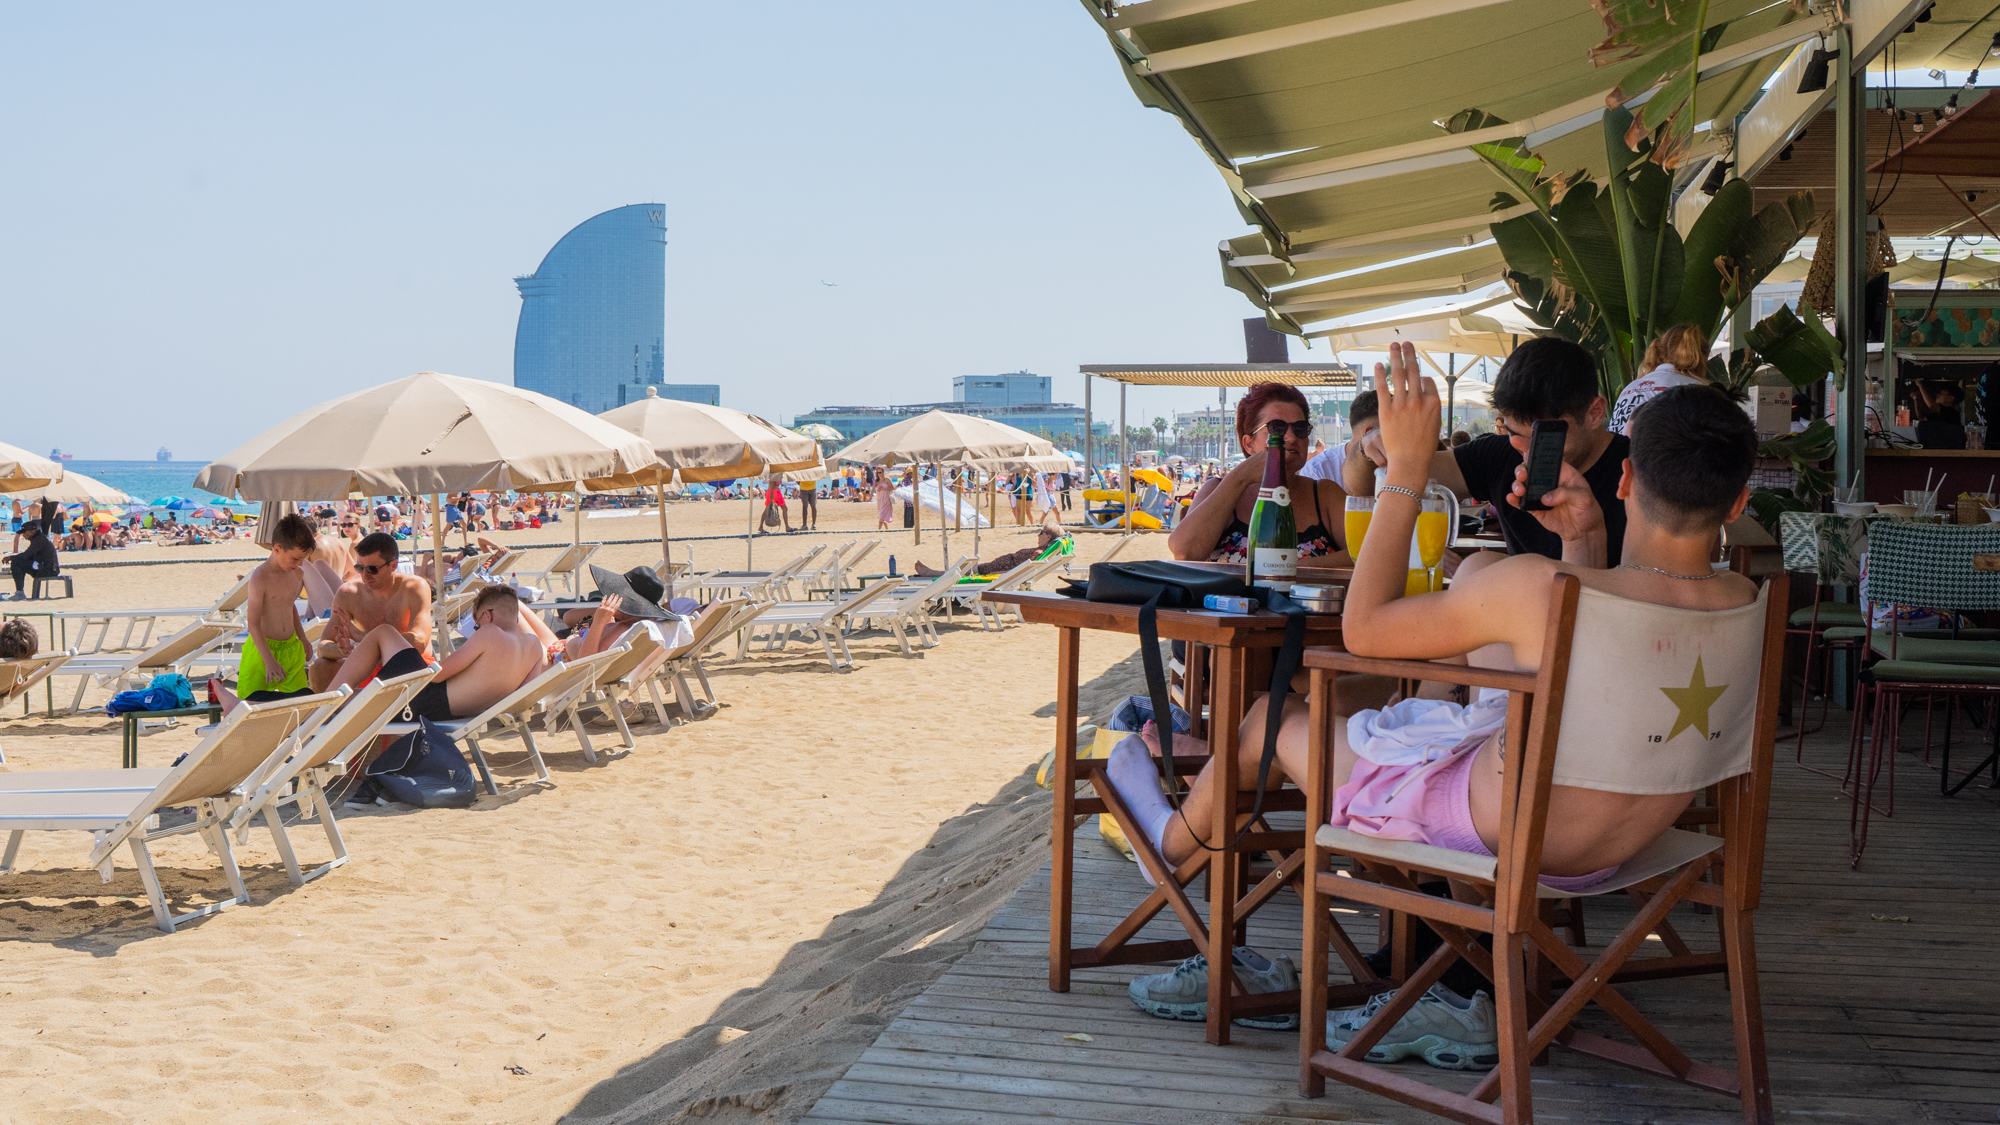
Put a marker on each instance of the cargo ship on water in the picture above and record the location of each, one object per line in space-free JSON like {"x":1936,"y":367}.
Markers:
{"x":163,"y":455}
{"x":59,"y":455}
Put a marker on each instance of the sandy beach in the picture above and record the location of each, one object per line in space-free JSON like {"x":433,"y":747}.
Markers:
{"x":712,"y":925}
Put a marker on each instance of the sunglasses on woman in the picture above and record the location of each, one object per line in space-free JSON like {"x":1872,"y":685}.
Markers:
{"x":1301,"y":430}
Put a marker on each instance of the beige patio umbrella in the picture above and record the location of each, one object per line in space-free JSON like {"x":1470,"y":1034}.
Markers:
{"x":75,"y":488}
{"x":21,"y":470}
{"x":704,"y":443}
{"x":427,"y":434}
{"x":940,"y":436}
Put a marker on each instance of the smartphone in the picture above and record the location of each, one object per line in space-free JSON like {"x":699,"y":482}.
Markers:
{"x":1545,"y":462}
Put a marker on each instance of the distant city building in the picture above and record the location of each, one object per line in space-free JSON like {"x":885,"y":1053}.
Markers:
{"x":1059,"y":422}
{"x":593,"y":314}
{"x":1017,"y":389}
{"x":1019,"y":399}
{"x":707,"y":393}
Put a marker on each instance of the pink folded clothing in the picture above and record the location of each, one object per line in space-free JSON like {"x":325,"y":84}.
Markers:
{"x":1428,"y":802}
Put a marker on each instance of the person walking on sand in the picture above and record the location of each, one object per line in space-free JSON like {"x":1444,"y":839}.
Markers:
{"x":885,"y":499}
{"x":273,"y":664}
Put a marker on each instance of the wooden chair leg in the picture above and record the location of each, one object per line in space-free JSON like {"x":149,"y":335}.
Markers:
{"x":1746,"y":1009}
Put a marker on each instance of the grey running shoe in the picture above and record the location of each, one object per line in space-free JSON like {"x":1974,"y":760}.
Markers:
{"x":1445,"y":1029}
{"x":1183,"y":993}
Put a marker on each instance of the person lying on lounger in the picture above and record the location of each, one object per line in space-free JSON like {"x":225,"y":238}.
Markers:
{"x":1691,"y":455}
{"x":625,"y":600}
{"x":501,"y":655}
{"x":1049,"y":534}
{"x":459,"y":563}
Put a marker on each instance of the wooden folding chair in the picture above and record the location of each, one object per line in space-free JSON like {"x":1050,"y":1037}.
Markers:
{"x":1597,"y":715}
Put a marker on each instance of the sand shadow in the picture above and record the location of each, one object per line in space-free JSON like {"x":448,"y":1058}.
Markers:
{"x":770,"y":1052}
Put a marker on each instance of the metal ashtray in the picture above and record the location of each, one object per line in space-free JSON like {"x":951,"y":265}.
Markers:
{"x":1319,"y":599}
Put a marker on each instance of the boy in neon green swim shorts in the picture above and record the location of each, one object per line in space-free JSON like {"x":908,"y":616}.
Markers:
{"x":273,"y":664}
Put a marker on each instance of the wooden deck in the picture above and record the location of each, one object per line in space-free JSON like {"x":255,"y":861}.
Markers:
{"x":1880,"y":1000}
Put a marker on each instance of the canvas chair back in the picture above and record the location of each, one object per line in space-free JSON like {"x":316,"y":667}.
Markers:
{"x":229,"y":757}
{"x":1930,"y":565}
{"x":17,"y":677}
{"x":232,"y":601}
{"x":186,"y":644}
{"x":1658,"y":699}
{"x":872,"y":592}
{"x":555,"y":684}
{"x":350,"y":728}
{"x":642,"y":646}
{"x":572,"y":558}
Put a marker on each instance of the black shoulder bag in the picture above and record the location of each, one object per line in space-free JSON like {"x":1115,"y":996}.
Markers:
{"x":1153,"y":584}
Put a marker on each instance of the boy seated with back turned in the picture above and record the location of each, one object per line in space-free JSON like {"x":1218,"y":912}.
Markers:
{"x":1691,"y":455}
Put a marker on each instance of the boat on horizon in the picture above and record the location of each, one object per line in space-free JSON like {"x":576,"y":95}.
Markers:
{"x":163,"y":455}
{"x":59,"y":455}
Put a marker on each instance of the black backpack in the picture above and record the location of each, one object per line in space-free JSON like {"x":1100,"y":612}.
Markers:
{"x":426,"y":769}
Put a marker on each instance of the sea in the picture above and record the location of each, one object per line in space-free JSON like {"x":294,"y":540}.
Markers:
{"x":146,"y":481}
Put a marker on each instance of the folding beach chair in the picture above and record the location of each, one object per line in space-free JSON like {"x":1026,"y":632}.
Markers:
{"x":515,"y":712}
{"x":300,"y":777}
{"x":616,"y":681}
{"x":910,"y":608}
{"x":769,"y":585}
{"x":824,"y":622}
{"x":568,"y":566}
{"x":18,"y":677}
{"x":178,"y":652}
{"x":1022,"y":577}
{"x":111,"y":804}
{"x":717,"y":620}
{"x":1630,"y":698}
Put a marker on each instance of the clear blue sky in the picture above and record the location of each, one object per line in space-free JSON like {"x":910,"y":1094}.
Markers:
{"x":217,"y":215}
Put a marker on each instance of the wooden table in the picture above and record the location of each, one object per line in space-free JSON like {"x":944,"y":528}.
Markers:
{"x":130,"y":758}
{"x":1232,"y":639}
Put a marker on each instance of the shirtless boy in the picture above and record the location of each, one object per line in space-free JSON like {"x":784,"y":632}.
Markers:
{"x":1691,"y":455}
{"x":501,"y":656}
{"x":376,"y":596}
{"x":273,"y":665}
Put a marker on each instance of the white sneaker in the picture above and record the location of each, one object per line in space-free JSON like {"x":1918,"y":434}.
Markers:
{"x":1445,"y":1029}
{"x":1183,"y":993}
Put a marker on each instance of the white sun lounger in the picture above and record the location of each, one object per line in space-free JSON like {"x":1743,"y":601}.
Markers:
{"x":567,"y":566}
{"x":515,"y":712}
{"x":825,"y":622}
{"x":1020,"y":578}
{"x":759,"y":585}
{"x":110,"y":804}
{"x":717,"y":620}
{"x":227,"y":607}
{"x":641,"y":659}
{"x":910,"y":608}
{"x":178,"y":652}
{"x":19,"y":677}
{"x":300,"y":772}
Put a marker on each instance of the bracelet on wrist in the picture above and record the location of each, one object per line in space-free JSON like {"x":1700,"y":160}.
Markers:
{"x":1409,"y":492}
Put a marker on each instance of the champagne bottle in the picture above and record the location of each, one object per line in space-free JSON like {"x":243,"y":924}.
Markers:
{"x":1272,"y":547}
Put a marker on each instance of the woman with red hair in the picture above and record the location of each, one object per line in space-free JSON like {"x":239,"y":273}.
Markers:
{"x":1218,"y":525}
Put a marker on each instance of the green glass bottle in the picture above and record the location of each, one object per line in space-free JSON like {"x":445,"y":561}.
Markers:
{"x":1271,"y":550}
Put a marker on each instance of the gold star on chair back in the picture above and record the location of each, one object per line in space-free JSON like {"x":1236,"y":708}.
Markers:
{"x":1659,"y":700}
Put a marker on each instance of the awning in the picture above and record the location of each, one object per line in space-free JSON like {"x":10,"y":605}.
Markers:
{"x":1325,"y":128}
{"x":1224,"y":374}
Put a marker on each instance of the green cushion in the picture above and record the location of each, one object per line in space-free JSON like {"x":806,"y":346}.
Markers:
{"x":1844,"y":633}
{"x":1913,"y":671}
{"x":1927,"y":650}
{"x":1830,"y":613}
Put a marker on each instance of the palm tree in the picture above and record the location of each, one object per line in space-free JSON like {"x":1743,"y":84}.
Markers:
{"x":1160,"y":428}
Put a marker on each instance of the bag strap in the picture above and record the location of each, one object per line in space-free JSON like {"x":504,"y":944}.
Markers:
{"x":1291,"y":651}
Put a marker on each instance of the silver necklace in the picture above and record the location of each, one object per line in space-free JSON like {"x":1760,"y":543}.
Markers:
{"x":1669,"y":573}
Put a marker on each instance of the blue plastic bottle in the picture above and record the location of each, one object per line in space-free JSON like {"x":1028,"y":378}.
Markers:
{"x":892,"y":566}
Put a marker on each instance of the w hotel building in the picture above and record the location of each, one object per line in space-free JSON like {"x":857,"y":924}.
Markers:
{"x":593,"y":314}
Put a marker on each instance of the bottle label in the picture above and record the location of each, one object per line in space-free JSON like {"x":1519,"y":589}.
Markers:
{"x":1277,"y":567}
{"x":1279,"y":495}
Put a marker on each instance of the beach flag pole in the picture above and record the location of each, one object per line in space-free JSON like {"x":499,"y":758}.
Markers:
{"x":666,"y":545}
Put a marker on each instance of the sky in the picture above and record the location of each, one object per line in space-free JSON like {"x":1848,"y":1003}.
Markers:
{"x":218,"y":215}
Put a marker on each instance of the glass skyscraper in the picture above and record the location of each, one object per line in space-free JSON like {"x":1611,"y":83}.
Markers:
{"x":593,"y":314}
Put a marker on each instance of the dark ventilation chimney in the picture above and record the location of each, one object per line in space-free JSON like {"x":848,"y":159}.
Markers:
{"x":1262,"y":343}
